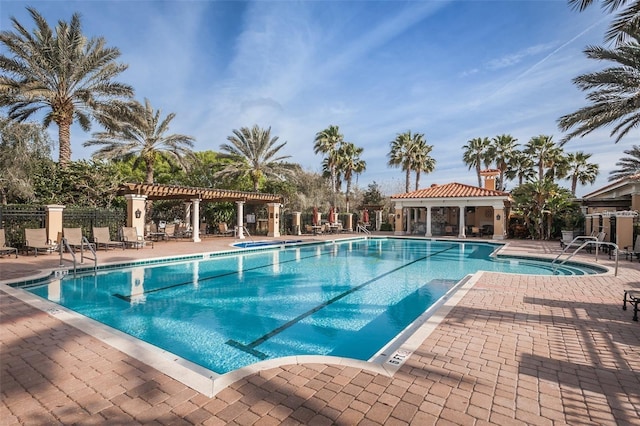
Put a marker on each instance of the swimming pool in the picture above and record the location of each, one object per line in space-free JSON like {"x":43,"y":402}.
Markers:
{"x":224,"y":312}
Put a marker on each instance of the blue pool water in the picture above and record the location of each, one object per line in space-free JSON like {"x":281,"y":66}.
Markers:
{"x":224,"y":312}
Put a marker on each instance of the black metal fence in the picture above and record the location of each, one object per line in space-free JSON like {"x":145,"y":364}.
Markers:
{"x":87,"y":218}
{"x":15,"y":218}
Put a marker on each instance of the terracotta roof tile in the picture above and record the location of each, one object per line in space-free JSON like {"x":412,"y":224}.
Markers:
{"x":452,"y":190}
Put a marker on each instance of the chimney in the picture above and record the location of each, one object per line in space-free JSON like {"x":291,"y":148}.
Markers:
{"x":490,"y":176}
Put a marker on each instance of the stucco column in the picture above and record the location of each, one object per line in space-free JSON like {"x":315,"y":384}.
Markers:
{"x":428,"y":230}
{"x":624,"y":230}
{"x":195,"y":220}
{"x":408,"y":220}
{"x":498,"y":223}
{"x":462,"y":231}
{"x":296,"y":223}
{"x":135,"y":208}
{"x":349,"y":224}
{"x":378,"y":219}
{"x":274,"y":220}
{"x":53,"y":221}
{"x":240,"y":220}
{"x":399,"y":229}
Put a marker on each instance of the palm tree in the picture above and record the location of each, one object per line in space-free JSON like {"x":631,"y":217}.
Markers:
{"x":257,"y":155}
{"x":350,"y":163}
{"x":520,"y":166}
{"x":401,"y":155}
{"x":626,"y":19}
{"x":64,"y":74}
{"x":580,"y":170}
{"x":545,"y":154}
{"x":476,"y":155}
{"x":137,"y":131}
{"x":629,"y":166}
{"x":327,"y":142}
{"x":501,"y":150}
{"x":421,"y":160}
{"x":614,"y":92}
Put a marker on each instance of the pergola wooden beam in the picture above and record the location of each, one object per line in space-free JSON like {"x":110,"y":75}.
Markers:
{"x":174,"y":192}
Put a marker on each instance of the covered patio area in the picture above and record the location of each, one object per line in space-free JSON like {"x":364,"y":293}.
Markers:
{"x":452,"y":209}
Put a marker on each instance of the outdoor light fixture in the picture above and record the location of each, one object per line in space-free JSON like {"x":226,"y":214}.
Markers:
{"x":498,"y":217}
{"x":138,"y":214}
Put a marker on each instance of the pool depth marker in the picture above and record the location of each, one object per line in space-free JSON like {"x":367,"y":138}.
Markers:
{"x":250,"y":348}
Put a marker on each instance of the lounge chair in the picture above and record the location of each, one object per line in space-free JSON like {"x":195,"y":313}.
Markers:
{"x":629,"y":252}
{"x":131,"y":238}
{"x":101,"y":237}
{"x":476,"y":232}
{"x":37,"y":240}
{"x":75,"y":239}
{"x":4,"y":248}
{"x":224,"y":230}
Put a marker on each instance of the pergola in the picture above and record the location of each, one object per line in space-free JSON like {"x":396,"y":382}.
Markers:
{"x":137,"y":194}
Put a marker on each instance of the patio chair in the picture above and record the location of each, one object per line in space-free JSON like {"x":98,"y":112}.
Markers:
{"x":476,"y":232}
{"x":101,"y":237}
{"x":75,"y":239}
{"x":131,"y":238}
{"x":170,"y":230}
{"x":224,"y":230}
{"x":629,"y":252}
{"x":37,"y":240}
{"x":4,"y":248}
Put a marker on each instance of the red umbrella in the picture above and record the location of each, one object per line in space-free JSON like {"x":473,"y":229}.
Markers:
{"x":314,"y":219}
{"x":365,"y":216}
{"x":332,"y":216}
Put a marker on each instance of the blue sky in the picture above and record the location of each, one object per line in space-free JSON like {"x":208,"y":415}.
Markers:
{"x":453,"y":70}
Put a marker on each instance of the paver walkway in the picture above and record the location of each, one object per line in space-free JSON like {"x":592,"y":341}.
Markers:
{"x":515,"y":350}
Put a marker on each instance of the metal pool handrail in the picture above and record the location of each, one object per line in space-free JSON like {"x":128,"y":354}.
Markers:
{"x":591,"y":241}
{"x":64,"y":244}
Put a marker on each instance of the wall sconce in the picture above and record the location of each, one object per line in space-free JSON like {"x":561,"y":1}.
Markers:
{"x":138,"y":214}
{"x":497,"y":217}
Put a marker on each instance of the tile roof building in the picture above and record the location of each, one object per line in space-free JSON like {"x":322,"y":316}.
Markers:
{"x":453,"y":209}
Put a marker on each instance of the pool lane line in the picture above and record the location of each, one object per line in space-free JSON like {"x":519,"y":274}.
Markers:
{"x":250,"y":348}
{"x":213,"y":277}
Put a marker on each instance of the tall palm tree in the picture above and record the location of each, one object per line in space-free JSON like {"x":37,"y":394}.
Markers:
{"x":626,"y":19}
{"x":62,"y":73}
{"x":629,"y":166}
{"x":476,"y":155}
{"x":614,"y":93}
{"x":257,"y":154}
{"x":545,"y":154}
{"x":137,"y":131}
{"x":580,"y":170}
{"x":421,"y":160}
{"x":327,"y":142}
{"x":401,"y":155}
{"x":350,"y":163}
{"x":501,"y":150}
{"x":520,"y":166}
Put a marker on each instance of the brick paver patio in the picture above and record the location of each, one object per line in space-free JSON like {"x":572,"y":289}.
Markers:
{"x":515,"y":350}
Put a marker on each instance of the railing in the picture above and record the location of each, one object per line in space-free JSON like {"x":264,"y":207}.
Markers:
{"x":582,"y":242}
{"x":244,"y":231}
{"x":64,"y":245}
{"x":363,"y":229}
